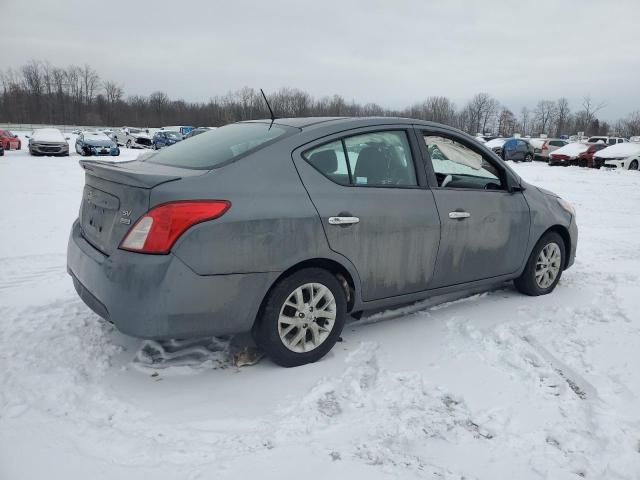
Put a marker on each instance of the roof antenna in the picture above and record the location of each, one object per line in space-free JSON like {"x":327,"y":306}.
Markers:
{"x":273,"y":117}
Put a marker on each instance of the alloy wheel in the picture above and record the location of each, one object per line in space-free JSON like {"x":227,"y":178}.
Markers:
{"x":307,"y":317}
{"x":548,"y":265}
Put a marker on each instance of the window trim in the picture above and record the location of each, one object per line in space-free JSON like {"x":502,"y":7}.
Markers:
{"x":431,"y":175}
{"x":341,"y":136}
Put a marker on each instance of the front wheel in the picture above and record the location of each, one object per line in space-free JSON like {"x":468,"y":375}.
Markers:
{"x":633,"y":165}
{"x":302,"y":318}
{"x":544,"y":267}
{"x":128,"y":143}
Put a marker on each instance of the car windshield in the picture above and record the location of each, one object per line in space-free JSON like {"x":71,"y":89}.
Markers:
{"x":135,"y":130}
{"x":221,"y":145}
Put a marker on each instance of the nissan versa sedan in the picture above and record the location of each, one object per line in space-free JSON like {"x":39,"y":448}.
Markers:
{"x":284,"y":228}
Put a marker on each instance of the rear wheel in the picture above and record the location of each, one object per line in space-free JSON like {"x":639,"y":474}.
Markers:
{"x":302,"y":317}
{"x":528,"y":158}
{"x":544,"y":267}
{"x":128,"y":143}
{"x":633,"y":165}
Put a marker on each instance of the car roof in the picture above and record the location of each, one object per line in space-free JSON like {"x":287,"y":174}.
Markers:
{"x":348,"y":122}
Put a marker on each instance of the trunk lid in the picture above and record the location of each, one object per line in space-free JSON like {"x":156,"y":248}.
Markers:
{"x":117,"y":194}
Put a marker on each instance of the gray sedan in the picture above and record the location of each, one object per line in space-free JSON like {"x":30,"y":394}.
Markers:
{"x":285,"y":228}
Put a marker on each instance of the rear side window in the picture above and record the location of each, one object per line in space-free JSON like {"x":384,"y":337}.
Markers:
{"x":221,"y":145}
{"x":378,"y":159}
{"x":330,"y":160}
{"x":557,"y":143}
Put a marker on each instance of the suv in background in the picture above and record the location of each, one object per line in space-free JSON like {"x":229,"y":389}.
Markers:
{"x":131,"y":137}
{"x":548,"y":146}
{"x":608,"y":140}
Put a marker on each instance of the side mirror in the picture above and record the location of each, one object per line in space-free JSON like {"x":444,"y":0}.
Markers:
{"x":513,"y":185}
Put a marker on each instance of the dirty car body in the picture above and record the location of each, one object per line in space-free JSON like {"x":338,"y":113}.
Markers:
{"x":281,"y":203}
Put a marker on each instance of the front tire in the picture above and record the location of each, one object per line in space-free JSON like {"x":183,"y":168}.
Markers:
{"x":633,"y":165}
{"x":128,"y":143}
{"x":544,"y":267}
{"x":302,"y":317}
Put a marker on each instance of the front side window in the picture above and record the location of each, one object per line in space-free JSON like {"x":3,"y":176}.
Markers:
{"x":378,"y":159}
{"x":458,"y":166}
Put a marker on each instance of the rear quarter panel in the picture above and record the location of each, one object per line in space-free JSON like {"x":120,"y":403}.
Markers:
{"x":270,"y":226}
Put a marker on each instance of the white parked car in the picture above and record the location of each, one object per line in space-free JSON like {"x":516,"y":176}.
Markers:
{"x":131,"y":137}
{"x":625,"y":156}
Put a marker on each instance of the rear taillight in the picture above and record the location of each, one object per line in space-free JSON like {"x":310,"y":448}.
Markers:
{"x":160,"y":227}
{"x":545,"y":146}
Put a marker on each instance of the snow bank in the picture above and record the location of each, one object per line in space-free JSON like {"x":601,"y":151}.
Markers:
{"x":496,"y":142}
{"x":48,"y":135}
{"x":571,"y":149}
{"x":620,"y":150}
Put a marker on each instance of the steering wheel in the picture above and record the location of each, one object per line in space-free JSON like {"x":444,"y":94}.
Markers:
{"x":446,"y":180}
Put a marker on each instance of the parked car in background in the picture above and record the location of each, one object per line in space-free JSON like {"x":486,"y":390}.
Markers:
{"x":193,"y":242}
{"x":585,"y":159}
{"x":197,"y":131}
{"x":96,"y":143}
{"x":624,"y":156}
{"x":567,"y":155}
{"x":131,"y":137}
{"x":165,"y":138}
{"x":9,"y":140}
{"x":547,"y":146}
{"x":183,"y":129}
{"x":607,"y":140}
{"x":48,"y":141}
{"x":496,"y":145}
{"x":634,"y":139}
{"x":517,"y":150}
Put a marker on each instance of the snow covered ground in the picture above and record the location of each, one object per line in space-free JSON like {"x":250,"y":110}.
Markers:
{"x":496,"y":386}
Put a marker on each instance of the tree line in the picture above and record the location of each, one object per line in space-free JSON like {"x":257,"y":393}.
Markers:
{"x":38,"y":92}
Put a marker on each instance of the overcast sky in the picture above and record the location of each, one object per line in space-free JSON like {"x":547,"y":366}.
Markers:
{"x":389,"y":52}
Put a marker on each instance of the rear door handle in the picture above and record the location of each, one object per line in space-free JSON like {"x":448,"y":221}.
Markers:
{"x":343,"y":220}
{"x":459,"y":215}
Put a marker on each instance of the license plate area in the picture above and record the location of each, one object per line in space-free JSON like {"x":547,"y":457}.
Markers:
{"x":98,"y":211}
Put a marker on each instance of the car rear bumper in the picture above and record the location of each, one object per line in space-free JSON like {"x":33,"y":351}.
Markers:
{"x":159,"y":297}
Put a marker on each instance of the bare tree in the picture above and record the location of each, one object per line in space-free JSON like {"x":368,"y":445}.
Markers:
{"x":525,"y":120}
{"x":545,"y":113}
{"x":562,"y":115}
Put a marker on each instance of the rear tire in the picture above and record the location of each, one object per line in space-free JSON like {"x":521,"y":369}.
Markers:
{"x":128,"y":143}
{"x":544,"y":267}
{"x":633,"y":165}
{"x":528,"y":158}
{"x":302,"y":317}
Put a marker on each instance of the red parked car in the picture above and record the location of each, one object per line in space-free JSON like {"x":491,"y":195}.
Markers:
{"x":585,"y":159}
{"x":9,"y":141}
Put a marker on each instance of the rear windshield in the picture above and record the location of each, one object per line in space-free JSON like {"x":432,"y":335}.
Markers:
{"x":221,"y":145}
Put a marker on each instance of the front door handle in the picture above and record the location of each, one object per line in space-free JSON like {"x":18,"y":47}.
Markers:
{"x":343,"y":220}
{"x":457,"y":215}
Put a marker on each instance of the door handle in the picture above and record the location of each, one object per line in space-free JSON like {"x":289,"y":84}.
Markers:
{"x":343,"y":220}
{"x":459,"y":215}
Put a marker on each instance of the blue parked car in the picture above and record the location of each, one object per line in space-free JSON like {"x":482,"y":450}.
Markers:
{"x":165,"y":138}
{"x":96,"y":143}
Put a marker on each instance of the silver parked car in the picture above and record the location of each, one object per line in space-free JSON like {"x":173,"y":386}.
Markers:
{"x":284,"y":228}
{"x":48,"y":141}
